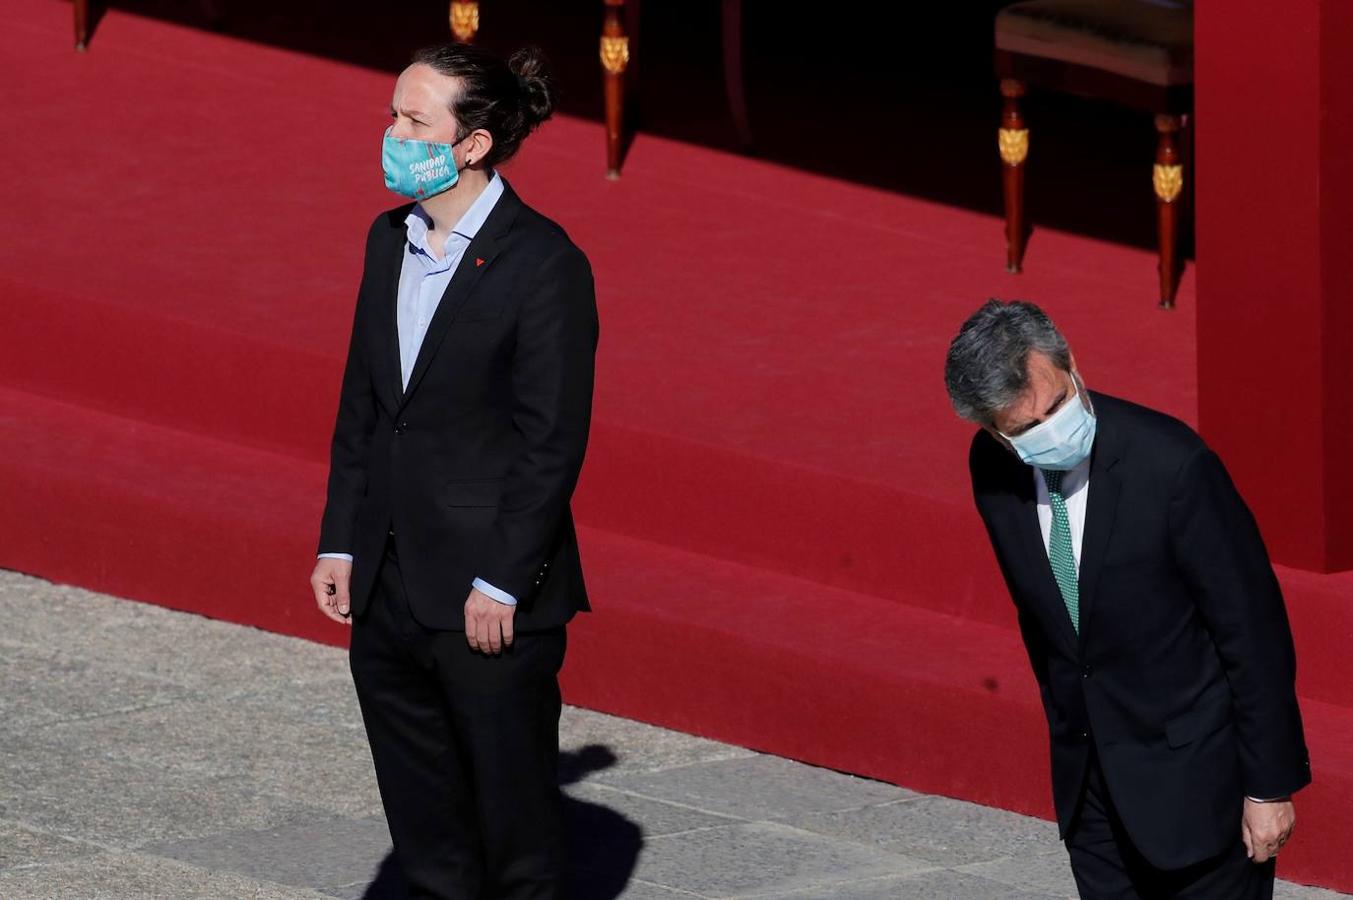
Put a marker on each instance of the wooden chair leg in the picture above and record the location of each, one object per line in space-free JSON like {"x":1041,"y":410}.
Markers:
{"x":615,"y":57}
{"x":1014,"y":144}
{"x":1168,"y":180}
{"x":81,"y":24}
{"x":464,"y":20}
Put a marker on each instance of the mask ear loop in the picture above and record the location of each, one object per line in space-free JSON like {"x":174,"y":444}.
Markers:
{"x":1082,"y":392}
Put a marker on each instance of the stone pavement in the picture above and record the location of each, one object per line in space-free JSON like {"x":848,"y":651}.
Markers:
{"x":151,"y":754}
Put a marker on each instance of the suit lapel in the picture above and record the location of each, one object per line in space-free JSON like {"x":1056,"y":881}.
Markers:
{"x":1105,"y":490}
{"x":394,"y":375}
{"x":479,"y":257}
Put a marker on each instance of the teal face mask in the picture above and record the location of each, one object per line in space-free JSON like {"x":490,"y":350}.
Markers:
{"x":418,"y":169}
{"x":1063,"y":441}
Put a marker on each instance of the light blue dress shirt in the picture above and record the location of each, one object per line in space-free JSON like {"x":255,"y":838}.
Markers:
{"x":423,"y":279}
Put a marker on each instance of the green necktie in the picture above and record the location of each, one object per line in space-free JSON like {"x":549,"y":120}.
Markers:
{"x":1060,"y":553}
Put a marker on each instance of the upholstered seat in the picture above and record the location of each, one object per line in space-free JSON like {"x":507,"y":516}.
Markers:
{"x":1145,"y":40}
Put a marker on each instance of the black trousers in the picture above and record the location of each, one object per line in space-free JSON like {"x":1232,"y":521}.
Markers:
{"x":466,"y":749}
{"x":1108,"y":867}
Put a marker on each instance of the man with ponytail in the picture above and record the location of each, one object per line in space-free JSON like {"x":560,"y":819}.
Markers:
{"x":447,"y":541}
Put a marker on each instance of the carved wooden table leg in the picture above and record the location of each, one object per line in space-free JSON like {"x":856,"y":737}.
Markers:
{"x":1168,"y":180}
{"x":1014,"y":144}
{"x":81,"y":24}
{"x":464,"y":20}
{"x":615,"y":57}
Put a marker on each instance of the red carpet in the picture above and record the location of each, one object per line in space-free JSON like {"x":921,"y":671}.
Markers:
{"x":775,"y":511}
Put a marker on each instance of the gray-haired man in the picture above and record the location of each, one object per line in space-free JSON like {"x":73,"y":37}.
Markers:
{"x":1152,"y":618}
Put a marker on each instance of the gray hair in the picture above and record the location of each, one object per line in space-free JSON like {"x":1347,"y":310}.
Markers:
{"x":988,"y":363}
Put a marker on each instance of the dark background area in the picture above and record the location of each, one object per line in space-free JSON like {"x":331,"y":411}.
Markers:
{"x":899,"y":96}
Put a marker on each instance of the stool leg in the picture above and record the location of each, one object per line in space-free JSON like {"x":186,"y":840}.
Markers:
{"x":615,"y":57}
{"x":1014,"y":145}
{"x":1168,"y":180}
{"x":81,"y":24}
{"x":464,"y":20}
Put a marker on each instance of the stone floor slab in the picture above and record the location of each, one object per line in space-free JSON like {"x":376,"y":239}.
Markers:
{"x":759,"y":787}
{"x":659,"y":818}
{"x":43,"y":687}
{"x":77,"y":792}
{"x":943,"y":831}
{"x":761,"y":858}
{"x":205,"y":655}
{"x":20,"y":846}
{"x":304,"y":742}
{"x":635,"y":746}
{"x":323,"y":855}
{"x":132,"y":876}
{"x":1050,"y":872}
{"x":940,"y":884}
{"x":1286,"y":890}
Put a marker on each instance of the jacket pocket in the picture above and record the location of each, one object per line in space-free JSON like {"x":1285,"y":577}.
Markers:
{"x":473,"y":493}
{"x":1202,"y":720}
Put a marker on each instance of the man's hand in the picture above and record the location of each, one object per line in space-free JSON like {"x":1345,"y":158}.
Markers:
{"x":330,"y":583}
{"x":1265,"y":827}
{"x":488,"y":623}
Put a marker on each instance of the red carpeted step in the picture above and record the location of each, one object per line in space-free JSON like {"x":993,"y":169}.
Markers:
{"x":842,"y":679}
{"x":919,"y":547}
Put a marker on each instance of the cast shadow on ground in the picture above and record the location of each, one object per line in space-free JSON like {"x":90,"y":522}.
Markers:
{"x":604,"y":845}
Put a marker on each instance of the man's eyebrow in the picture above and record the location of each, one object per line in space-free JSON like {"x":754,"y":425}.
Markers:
{"x":411,"y":113}
{"x":1056,"y":404}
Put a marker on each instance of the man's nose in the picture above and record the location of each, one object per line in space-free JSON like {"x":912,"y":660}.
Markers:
{"x":400,"y":130}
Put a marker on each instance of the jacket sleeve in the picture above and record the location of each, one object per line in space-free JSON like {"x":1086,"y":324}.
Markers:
{"x":1217,"y":545}
{"x":353,"y":427}
{"x":552,"y":376}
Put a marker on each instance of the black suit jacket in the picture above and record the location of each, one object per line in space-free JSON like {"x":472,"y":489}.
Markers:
{"x":1182,"y":676}
{"x":474,"y":464}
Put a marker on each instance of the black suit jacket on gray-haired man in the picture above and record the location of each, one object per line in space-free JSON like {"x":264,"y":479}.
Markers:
{"x":1171,"y":705}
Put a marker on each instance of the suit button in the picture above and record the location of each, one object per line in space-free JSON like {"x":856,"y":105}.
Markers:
{"x":1085,"y":735}
{"x":1085,"y":672}
{"x":401,"y":427}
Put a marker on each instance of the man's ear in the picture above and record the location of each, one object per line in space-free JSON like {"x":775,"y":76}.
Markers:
{"x":1081,"y":389}
{"x":477,"y":146}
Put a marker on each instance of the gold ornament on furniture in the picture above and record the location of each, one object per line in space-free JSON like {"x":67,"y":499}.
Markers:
{"x":464,"y":19}
{"x":615,"y":53}
{"x":1014,"y":144}
{"x":1168,"y":182}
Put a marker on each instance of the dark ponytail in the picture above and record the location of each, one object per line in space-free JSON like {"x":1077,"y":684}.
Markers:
{"x":506,"y":99}
{"x":537,"y":85}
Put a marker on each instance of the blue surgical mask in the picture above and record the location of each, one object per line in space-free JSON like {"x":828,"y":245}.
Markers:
{"x":418,"y":169}
{"x":1063,"y":441}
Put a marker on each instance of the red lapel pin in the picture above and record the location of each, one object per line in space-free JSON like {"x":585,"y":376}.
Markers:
{"x":478,"y":261}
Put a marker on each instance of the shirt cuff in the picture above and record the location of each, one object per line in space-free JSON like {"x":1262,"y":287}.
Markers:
{"x":1269,"y":800}
{"x":343,"y":556}
{"x":502,"y":597}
